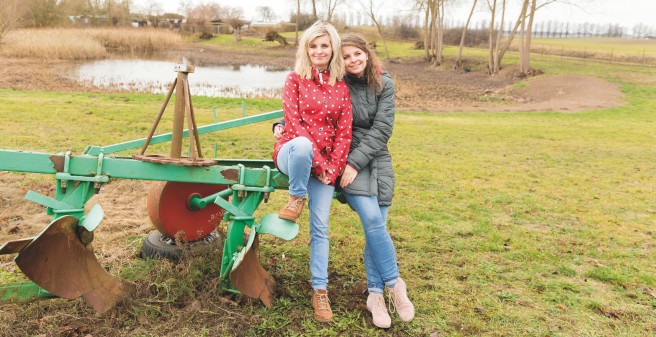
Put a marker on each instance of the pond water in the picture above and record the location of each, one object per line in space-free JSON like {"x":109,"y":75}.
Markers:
{"x":155,"y":76}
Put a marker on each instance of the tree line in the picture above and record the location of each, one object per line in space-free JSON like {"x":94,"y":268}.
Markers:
{"x":425,"y":21}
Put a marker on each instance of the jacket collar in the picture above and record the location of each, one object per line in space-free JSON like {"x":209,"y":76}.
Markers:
{"x":320,"y":76}
{"x":352,"y":79}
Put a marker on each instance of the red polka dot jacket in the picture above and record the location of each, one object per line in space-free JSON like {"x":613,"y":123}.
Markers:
{"x":322,"y":113}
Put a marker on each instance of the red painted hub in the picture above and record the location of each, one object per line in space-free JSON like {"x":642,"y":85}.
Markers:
{"x":169,"y":211}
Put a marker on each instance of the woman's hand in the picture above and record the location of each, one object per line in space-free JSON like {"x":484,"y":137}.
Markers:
{"x":323,"y":177}
{"x":277,"y":131}
{"x":348,"y":176}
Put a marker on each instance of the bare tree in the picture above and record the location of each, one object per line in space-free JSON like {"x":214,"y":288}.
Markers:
{"x":464,"y":32}
{"x":265,"y":13}
{"x":520,"y":20}
{"x":640,"y":30}
{"x":233,"y":16}
{"x":314,"y":10}
{"x":424,"y":5}
{"x":75,"y":7}
{"x":371,"y":10}
{"x":11,"y":13}
{"x":117,"y":12}
{"x":525,"y":40}
{"x":298,"y":17}
{"x":438,"y":30}
{"x":153,"y":8}
{"x":529,"y":8}
{"x":330,"y":6}
{"x":42,"y":13}
{"x":490,"y":36}
{"x":497,"y":60}
{"x":200,"y":17}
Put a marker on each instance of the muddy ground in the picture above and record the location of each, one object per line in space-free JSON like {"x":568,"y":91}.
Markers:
{"x":420,"y":87}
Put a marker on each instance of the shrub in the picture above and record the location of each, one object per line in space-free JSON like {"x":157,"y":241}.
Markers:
{"x":273,"y":35}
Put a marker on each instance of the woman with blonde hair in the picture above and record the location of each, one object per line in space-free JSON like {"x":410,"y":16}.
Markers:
{"x":368,"y":179}
{"x":313,"y":144}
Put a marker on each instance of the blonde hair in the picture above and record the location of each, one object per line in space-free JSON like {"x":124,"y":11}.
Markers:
{"x":336,"y":64}
{"x":374,"y":67}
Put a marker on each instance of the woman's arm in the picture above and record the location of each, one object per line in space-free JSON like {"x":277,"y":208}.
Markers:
{"x":380,"y":132}
{"x":343,"y":136}
{"x":293,"y":121}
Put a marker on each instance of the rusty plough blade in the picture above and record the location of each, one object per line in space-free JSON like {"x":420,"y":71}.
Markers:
{"x":60,"y":263}
{"x":248,"y":276}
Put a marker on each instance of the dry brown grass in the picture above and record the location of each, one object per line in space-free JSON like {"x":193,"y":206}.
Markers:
{"x":78,"y":44}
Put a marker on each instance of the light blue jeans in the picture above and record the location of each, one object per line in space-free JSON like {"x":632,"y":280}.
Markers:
{"x":379,"y":253}
{"x":295,"y":160}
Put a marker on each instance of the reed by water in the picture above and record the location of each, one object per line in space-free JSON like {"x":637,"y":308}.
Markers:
{"x":84,"y":43}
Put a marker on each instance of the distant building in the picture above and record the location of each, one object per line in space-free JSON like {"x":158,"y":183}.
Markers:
{"x":264,"y":24}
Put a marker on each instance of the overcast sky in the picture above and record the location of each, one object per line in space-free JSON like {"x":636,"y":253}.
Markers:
{"x":624,"y":12}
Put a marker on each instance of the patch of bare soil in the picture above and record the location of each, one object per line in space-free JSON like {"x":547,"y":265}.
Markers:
{"x":567,"y":93}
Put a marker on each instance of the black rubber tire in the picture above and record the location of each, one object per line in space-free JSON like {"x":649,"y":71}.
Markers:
{"x":157,"y":246}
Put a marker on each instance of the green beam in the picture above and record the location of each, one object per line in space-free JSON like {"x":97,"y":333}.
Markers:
{"x":126,"y":168}
{"x":138,"y":143}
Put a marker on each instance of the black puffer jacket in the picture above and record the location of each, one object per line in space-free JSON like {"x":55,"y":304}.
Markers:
{"x":373,"y":120}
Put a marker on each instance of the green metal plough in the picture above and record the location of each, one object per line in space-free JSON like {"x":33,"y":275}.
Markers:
{"x":190,"y":197}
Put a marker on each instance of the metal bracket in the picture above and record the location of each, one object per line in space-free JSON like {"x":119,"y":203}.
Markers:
{"x":53,"y":206}
{"x":242,"y":189}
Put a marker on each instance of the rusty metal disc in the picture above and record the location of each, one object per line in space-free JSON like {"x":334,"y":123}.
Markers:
{"x":169,"y":211}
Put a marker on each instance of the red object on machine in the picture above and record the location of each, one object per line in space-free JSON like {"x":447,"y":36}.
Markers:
{"x":168,"y":209}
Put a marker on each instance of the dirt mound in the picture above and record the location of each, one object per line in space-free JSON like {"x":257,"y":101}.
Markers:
{"x":567,"y":93}
{"x":421,"y":87}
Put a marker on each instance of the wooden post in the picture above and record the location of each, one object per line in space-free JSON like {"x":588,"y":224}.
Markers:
{"x":179,"y":112}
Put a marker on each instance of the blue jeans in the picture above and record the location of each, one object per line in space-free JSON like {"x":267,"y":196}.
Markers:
{"x":379,"y":253}
{"x":295,"y":160}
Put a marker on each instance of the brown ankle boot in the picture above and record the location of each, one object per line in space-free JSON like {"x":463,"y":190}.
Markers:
{"x":321,"y":305}
{"x":293,"y":209}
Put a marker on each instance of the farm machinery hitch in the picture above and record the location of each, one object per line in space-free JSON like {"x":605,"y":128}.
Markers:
{"x":186,"y":202}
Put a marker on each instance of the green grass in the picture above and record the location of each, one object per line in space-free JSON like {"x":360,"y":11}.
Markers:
{"x":247,"y":44}
{"x":104,"y":119}
{"x":509,"y":224}
{"x":600,"y":44}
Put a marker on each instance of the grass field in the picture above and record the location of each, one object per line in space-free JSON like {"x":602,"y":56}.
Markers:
{"x":601,"y":44}
{"x":517,"y":224}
